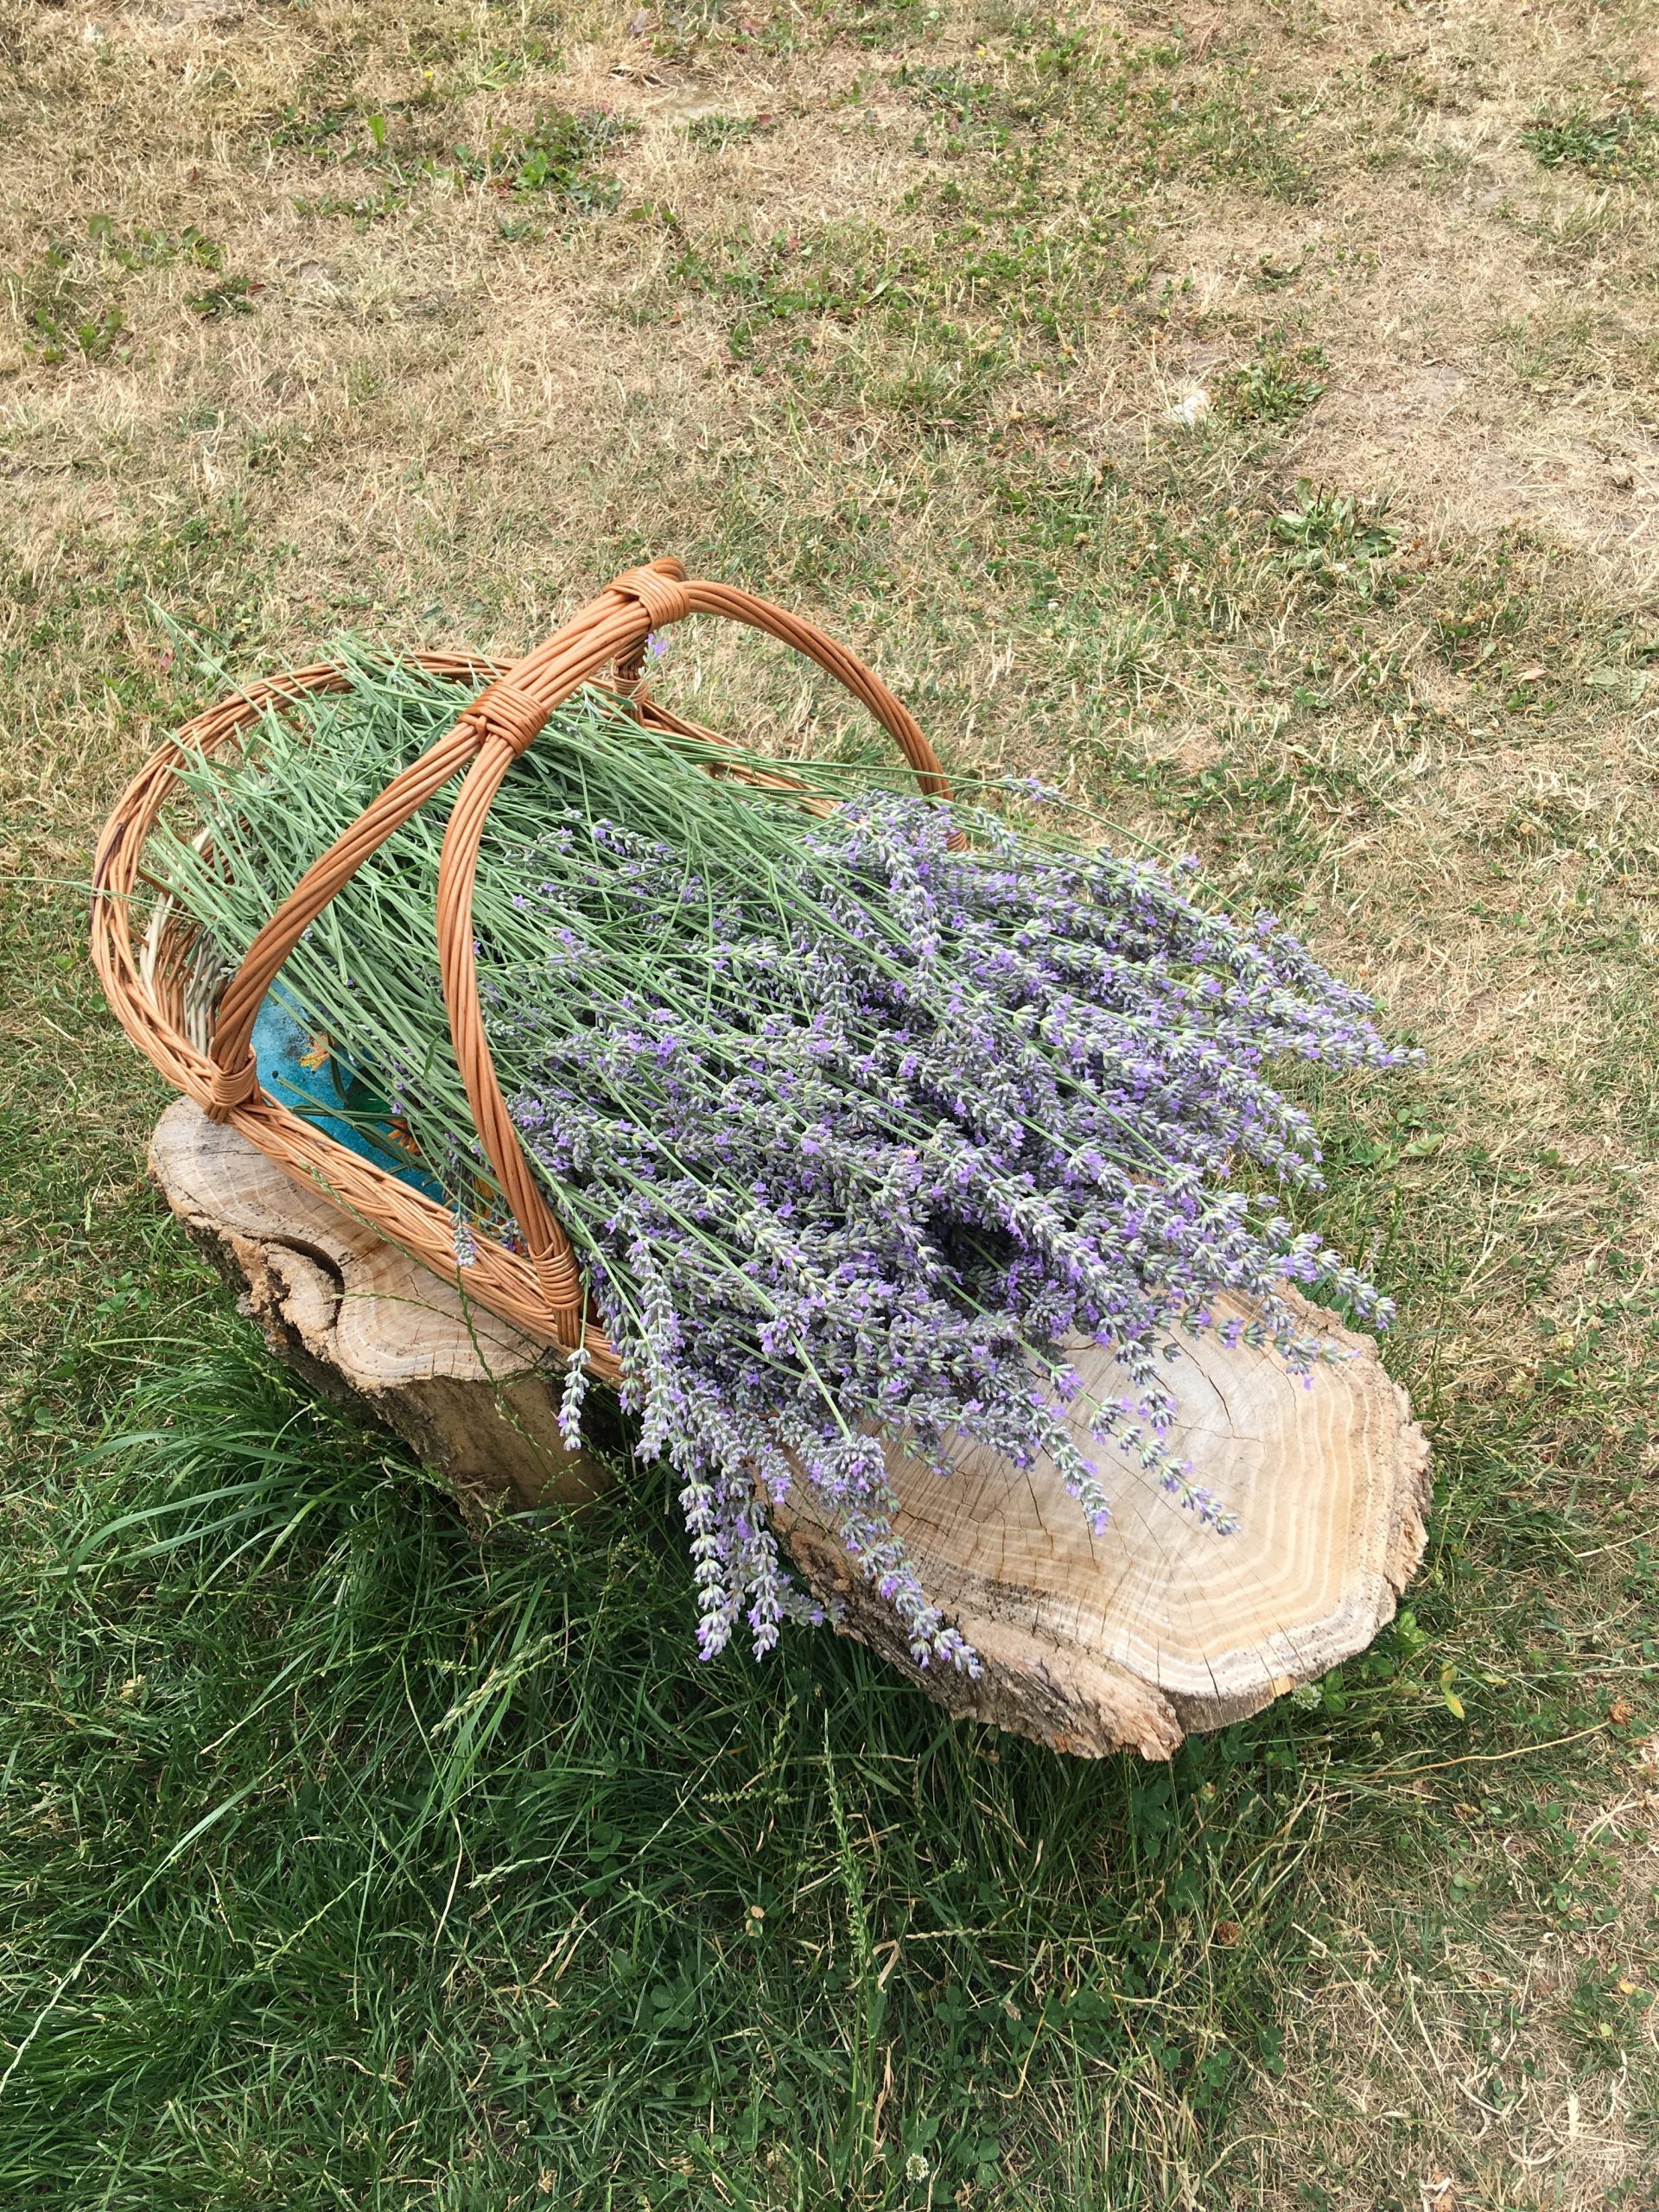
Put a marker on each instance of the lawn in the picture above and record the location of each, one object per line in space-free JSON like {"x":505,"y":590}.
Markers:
{"x":1245,"y":417}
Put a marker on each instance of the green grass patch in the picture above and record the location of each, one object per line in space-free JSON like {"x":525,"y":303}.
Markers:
{"x":1618,"y":145}
{"x":504,"y":1876}
{"x":495,"y":1880}
{"x":562,"y":154}
{"x":1279,"y":383}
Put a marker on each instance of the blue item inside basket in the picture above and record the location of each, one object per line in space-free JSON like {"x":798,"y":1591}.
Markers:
{"x":298,"y":1070}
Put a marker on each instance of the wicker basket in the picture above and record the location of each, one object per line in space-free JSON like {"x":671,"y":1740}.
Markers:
{"x":165,"y":994}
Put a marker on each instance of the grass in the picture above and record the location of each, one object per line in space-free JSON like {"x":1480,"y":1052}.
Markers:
{"x":352,"y":1863}
{"x":503,"y":1889}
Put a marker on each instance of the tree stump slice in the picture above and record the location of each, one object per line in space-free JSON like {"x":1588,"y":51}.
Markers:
{"x":1161,"y":1627}
{"x":467,"y":1393}
{"x":1157,"y":1629}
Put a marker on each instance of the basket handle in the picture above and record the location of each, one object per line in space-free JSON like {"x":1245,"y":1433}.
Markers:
{"x":613,"y":627}
{"x":490,"y":735}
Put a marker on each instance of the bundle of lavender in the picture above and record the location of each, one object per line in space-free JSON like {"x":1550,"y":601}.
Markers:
{"x":852,"y":1132}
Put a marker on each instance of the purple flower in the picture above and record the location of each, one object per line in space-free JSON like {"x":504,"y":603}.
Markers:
{"x":980,"y":1103}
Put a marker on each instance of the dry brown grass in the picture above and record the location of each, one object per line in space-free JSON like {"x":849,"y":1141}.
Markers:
{"x":1452,"y":2054}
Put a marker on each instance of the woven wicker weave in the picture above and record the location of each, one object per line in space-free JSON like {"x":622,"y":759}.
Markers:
{"x":162,"y":993}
